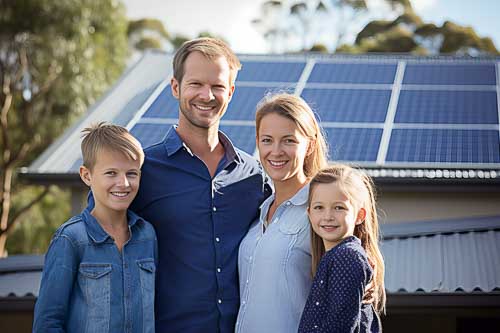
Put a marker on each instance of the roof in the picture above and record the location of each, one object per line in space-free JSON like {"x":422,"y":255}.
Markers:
{"x":431,"y":257}
{"x":428,"y":119}
{"x":443,"y":256}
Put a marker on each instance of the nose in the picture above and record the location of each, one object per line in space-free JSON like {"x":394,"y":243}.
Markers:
{"x":276,"y":148}
{"x":206,"y":93}
{"x":123,"y":181}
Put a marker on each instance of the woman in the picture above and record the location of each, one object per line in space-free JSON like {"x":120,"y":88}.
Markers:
{"x":275,"y":258}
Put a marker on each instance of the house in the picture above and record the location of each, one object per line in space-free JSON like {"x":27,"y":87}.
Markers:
{"x":425,"y":128}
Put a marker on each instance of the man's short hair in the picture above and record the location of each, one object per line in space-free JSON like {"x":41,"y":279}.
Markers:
{"x":112,"y":137}
{"x":211,"y":48}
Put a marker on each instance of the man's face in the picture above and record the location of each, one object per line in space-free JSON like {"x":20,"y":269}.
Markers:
{"x":205,"y":91}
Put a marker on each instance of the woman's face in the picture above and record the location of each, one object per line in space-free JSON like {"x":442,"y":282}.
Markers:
{"x":282,"y":148}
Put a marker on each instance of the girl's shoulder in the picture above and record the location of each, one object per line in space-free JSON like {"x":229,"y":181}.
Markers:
{"x":348,"y":252}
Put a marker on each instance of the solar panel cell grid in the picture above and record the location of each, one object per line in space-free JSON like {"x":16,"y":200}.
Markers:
{"x":164,"y":106}
{"x":149,"y":134}
{"x":447,"y":107}
{"x":242,"y":137}
{"x":444,"y":145}
{"x":343,"y":105}
{"x":353,"y":144}
{"x":447,"y":74}
{"x":353,"y":73}
{"x":270,"y":71}
{"x":244,"y":102}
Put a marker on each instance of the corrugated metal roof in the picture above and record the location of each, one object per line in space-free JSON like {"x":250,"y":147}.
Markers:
{"x":451,"y":256}
{"x":461,"y":255}
{"x":20,"y":275}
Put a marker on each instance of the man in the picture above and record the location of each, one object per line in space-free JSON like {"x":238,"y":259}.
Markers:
{"x":201,"y":194}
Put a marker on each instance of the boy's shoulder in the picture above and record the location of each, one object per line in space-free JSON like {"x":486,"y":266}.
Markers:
{"x":73,"y":228}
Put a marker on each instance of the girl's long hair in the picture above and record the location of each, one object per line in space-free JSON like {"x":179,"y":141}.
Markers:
{"x":360,"y":190}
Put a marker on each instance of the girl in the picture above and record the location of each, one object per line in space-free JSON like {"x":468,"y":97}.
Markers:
{"x":275,"y":256}
{"x":345,"y":253}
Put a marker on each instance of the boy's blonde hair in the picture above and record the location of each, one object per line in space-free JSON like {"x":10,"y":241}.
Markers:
{"x":112,"y":137}
{"x":360,"y":190}
{"x":211,"y":48}
{"x":298,"y":111}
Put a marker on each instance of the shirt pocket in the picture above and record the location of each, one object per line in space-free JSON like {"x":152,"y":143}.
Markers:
{"x":95,"y":280}
{"x":147,"y":270}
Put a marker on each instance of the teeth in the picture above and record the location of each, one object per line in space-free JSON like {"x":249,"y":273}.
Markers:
{"x":204,"y":108}
{"x":120,"y":194}
{"x":277,"y":163}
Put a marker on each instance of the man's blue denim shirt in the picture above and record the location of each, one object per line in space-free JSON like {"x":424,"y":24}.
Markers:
{"x":89,"y":286}
{"x":199,"y":221}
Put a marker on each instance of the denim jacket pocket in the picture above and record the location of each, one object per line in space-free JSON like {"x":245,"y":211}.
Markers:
{"x":147,"y":269}
{"x":95,"y":280}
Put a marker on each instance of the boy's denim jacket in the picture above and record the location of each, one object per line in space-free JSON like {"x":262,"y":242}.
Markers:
{"x":89,"y":286}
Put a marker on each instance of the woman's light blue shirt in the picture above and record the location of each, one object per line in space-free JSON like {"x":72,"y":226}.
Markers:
{"x":275,"y":268}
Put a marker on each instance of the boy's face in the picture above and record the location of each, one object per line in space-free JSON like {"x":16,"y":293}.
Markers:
{"x":114,"y":181}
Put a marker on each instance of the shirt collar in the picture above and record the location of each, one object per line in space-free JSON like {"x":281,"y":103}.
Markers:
{"x":173,"y":143}
{"x":299,"y":199}
{"x":96,"y":232}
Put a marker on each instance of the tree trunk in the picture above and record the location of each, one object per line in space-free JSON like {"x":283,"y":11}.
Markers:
{"x":5,"y":200}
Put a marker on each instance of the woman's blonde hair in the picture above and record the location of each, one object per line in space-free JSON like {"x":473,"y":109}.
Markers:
{"x":297,"y":110}
{"x":360,"y":190}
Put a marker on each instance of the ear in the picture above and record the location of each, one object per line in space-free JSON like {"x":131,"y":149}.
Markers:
{"x":85,"y":175}
{"x":231,"y":91}
{"x":175,"y":87}
{"x":361,"y":216}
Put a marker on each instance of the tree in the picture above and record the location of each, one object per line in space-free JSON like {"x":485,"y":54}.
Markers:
{"x":56,"y":57}
{"x":408,"y":33}
{"x":291,"y":25}
{"x":147,"y":33}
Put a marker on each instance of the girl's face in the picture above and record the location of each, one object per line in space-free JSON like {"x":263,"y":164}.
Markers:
{"x":332,"y":215}
{"x":282,"y":148}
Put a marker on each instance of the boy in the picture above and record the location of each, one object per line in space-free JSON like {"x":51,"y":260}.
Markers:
{"x":99,"y":271}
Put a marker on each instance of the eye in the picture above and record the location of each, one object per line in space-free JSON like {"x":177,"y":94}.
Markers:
{"x":133,"y":174}
{"x":110,"y":173}
{"x":317,"y":207}
{"x":265,"y":140}
{"x":338,"y":207}
{"x":290,"y":141}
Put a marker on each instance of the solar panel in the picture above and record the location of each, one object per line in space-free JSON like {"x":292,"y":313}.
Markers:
{"x":164,"y":106}
{"x":349,"y":105}
{"x":353,"y":73}
{"x":263,"y":71}
{"x":476,"y":74}
{"x":353,"y":144}
{"x":244,"y":101}
{"x":444,"y":145}
{"x":447,"y":107}
{"x":149,"y":134}
{"x":242,"y":137}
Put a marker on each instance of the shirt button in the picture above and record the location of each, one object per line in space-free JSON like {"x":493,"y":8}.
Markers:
{"x":246,"y":281}
{"x":214,"y":209}
{"x":218,"y":270}
{"x":317,"y":303}
{"x":217,"y":239}
{"x":288,"y":203}
{"x":219,"y":301}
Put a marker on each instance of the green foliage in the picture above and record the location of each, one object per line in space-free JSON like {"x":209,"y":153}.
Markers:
{"x":56,"y":58}
{"x":148,"y":43}
{"x":40,"y":223}
{"x":141,"y":25}
{"x":147,"y":34}
{"x":319,"y":48}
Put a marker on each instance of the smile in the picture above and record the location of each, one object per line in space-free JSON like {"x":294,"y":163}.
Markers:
{"x":277,"y":164}
{"x":120,"y":194}
{"x":204,"y":107}
{"x":329,"y":227}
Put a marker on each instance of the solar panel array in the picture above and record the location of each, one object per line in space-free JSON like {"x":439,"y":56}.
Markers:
{"x":401,"y":112}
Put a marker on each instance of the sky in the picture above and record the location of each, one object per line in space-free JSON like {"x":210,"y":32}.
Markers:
{"x":231,"y":19}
